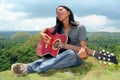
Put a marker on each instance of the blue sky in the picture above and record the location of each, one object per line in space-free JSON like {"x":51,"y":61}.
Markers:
{"x":35,"y":15}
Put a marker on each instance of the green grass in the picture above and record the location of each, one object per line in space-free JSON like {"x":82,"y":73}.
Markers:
{"x":102,"y":75}
{"x":90,"y":70}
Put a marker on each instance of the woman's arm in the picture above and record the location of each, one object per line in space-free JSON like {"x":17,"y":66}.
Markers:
{"x":83,"y":51}
{"x":83,"y":41}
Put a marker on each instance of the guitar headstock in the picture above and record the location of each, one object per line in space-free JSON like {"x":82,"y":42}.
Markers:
{"x":106,"y":56}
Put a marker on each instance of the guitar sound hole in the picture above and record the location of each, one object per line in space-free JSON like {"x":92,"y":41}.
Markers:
{"x":56,"y":44}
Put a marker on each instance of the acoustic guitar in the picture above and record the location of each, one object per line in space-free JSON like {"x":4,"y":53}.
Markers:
{"x":59,"y":41}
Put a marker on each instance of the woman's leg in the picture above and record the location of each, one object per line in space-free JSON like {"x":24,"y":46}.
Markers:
{"x":66,"y":59}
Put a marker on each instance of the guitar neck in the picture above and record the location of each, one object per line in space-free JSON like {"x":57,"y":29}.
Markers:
{"x":75,"y":48}
{"x":68,"y":46}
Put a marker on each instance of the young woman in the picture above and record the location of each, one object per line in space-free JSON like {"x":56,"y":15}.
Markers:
{"x":65,"y":24}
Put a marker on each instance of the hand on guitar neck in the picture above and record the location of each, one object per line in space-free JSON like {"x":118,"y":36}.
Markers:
{"x":84,"y":52}
{"x":100,"y":55}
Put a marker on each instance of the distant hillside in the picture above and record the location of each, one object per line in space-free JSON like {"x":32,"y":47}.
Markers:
{"x":21,"y":36}
{"x":104,"y":38}
{"x":4,"y":34}
{"x":89,"y":34}
{"x":105,"y":34}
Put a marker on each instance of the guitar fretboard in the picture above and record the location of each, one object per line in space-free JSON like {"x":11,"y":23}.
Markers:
{"x":75,"y":48}
{"x":68,"y":46}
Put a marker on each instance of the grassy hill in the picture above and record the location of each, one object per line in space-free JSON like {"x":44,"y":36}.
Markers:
{"x":105,"y":34}
{"x":90,"y":70}
{"x":26,"y":52}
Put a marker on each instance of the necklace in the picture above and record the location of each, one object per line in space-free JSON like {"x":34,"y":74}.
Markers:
{"x":66,"y":31}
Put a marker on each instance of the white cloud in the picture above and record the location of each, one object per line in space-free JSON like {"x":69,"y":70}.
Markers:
{"x":110,"y":29}
{"x":98,"y":23}
{"x":7,"y":15}
{"x":33,"y":24}
{"x":10,"y":20}
{"x":93,"y":22}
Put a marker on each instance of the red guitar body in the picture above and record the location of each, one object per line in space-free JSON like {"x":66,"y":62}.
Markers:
{"x":44,"y":49}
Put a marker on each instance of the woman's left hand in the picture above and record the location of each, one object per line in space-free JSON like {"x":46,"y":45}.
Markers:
{"x":82,"y":53}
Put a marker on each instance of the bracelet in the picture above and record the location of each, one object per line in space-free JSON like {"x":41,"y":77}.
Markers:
{"x":93,"y":53}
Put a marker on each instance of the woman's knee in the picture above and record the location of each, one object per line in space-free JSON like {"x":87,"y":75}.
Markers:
{"x":70,"y":53}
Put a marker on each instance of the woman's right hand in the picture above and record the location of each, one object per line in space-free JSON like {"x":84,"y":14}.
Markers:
{"x":44,"y":37}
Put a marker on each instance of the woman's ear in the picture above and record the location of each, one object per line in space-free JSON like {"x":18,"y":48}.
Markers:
{"x":68,"y":12}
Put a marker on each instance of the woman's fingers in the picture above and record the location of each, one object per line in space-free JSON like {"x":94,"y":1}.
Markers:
{"x":82,"y":53}
{"x":46,"y":38}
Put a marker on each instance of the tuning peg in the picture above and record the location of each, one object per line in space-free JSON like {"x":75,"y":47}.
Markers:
{"x":109,"y":55}
{"x":99,"y":57}
{"x":108,"y":59}
{"x":100,"y":52}
{"x":105,"y":62}
{"x":109,"y":63}
{"x":103,"y":50}
{"x":107,"y":52}
{"x":104,"y":58}
{"x":112,"y":54}
{"x":100,"y":62}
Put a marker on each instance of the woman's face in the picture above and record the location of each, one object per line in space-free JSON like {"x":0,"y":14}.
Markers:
{"x":62,"y":13}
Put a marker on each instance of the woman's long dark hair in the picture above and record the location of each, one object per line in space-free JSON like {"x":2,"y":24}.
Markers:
{"x":59,"y":25}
